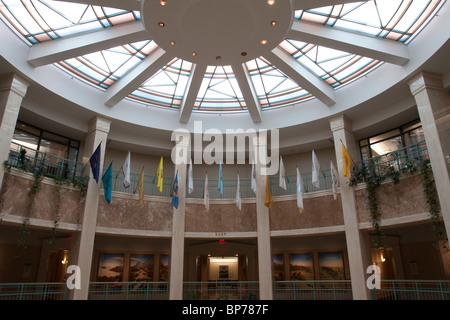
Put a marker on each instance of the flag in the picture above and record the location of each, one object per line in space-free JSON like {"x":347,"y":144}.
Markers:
{"x":126,"y":171}
{"x":253,"y":177}
{"x":190,"y":178}
{"x":268,"y":199}
{"x":238,"y":193}
{"x":346,"y":161}
{"x":299,"y":192}
{"x":175,"y":192}
{"x":282,"y":174}
{"x":107,"y":183}
{"x":206,"y":193}
{"x":140,"y":187}
{"x":159,"y":174}
{"x":334,"y":179}
{"x":315,"y":170}
{"x":220,"y":184}
{"x":95,"y":162}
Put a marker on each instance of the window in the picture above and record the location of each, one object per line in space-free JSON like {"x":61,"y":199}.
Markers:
{"x":392,"y":140}
{"x":44,"y":141}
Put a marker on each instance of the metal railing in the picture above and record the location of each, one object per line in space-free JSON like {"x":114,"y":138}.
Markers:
{"x":401,"y":160}
{"x":412,"y":290}
{"x":231,"y":290}
{"x":30,"y":160}
{"x":128,"y":291}
{"x":313,"y":290}
{"x":34,"y":291}
{"x":221,"y":290}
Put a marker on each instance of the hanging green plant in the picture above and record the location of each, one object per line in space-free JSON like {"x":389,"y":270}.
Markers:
{"x":58,"y":184}
{"x":24,"y":231}
{"x":429,"y":189}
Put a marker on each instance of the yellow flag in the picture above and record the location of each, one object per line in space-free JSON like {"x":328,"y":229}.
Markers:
{"x":268,"y":199}
{"x":140,"y":187}
{"x":346,"y":161}
{"x":159,"y":173}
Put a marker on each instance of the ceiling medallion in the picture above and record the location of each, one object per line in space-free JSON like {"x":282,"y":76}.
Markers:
{"x":232,"y":27}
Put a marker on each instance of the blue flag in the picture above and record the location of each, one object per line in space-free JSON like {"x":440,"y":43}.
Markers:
{"x":175,"y":192}
{"x":220,"y":179}
{"x":95,"y":163}
{"x":107,"y":183}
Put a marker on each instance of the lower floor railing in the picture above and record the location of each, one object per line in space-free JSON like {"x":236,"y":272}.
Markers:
{"x":412,"y":290}
{"x":231,"y":290}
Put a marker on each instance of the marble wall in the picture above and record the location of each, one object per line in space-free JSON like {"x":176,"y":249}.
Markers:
{"x":156,"y":213}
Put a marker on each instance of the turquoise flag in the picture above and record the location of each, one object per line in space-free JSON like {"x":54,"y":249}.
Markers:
{"x":175,"y":192}
{"x":220,"y":179}
{"x":107,"y":183}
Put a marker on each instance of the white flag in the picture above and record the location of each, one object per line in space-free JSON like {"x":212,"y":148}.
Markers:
{"x":299,"y":192}
{"x":190,"y":178}
{"x":315,"y":170}
{"x":126,"y":171}
{"x":253,"y":177}
{"x":238,"y":193}
{"x":282,"y":174}
{"x":334,"y":179}
{"x":206,"y":193}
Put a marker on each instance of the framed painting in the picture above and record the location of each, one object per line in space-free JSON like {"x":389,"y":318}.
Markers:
{"x":224,"y":272}
{"x":331,"y":266}
{"x":141,"y":267}
{"x":163,"y":267}
{"x":278,"y":267}
{"x":301,"y":266}
{"x":110,"y":267}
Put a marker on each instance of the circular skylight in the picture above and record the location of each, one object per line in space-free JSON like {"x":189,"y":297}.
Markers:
{"x":216,"y":55}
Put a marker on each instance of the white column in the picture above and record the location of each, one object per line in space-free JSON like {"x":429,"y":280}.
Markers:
{"x":358,"y":246}
{"x":179,"y":214}
{"x":263,"y":226}
{"x":83,"y":248}
{"x":433,"y":104}
{"x":12,"y":91}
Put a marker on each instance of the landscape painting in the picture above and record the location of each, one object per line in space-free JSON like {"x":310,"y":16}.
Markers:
{"x":163,"y":267}
{"x":141,"y":267}
{"x":331,"y":265}
{"x":301,"y":266}
{"x":110,"y":267}
{"x":278,"y":267}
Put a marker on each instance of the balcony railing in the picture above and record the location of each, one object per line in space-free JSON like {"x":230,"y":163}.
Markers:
{"x":401,"y":160}
{"x":313,"y":290}
{"x":231,"y":290}
{"x":412,"y":290}
{"x":30,"y":160}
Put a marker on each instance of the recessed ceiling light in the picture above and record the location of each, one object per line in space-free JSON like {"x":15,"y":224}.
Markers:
{"x":263,"y":41}
{"x":243,"y":53}
{"x":270,"y":2}
{"x":161,"y":24}
{"x":172,"y":43}
{"x":218,"y":57}
{"x":163,"y":2}
{"x":273,"y":23}
{"x":194,"y":54}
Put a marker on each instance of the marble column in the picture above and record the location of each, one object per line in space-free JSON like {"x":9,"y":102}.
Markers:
{"x":12,"y":91}
{"x":83,"y":247}
{"x":433,"y":104}
{"x":263,"y":225}
{"x":181,"y":159}
{"x":358,"y":244}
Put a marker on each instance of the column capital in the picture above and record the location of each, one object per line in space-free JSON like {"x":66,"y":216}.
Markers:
{"x":340,"y":122}
{"x":99,"y":123}
{"x":14,"y":82}
{"x":425,"y":80}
